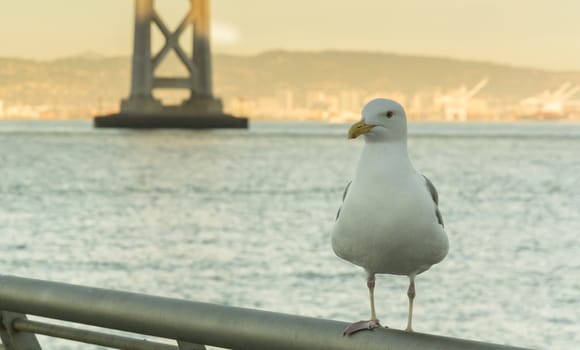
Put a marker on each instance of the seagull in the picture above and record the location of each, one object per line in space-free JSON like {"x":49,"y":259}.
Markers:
{"x":389,"y":221}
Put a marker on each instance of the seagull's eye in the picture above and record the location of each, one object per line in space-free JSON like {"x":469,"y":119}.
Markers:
{"x":389,"y":114}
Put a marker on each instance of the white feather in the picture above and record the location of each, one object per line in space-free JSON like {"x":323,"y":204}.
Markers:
{"x":388,"y":222}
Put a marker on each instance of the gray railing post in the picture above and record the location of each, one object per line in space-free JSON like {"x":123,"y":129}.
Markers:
{"x":12,"y":339}
{"x":183,"y":345}
{"x":188,"y":321}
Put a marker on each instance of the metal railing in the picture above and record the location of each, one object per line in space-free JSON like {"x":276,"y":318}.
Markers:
{"x":190,"y":323}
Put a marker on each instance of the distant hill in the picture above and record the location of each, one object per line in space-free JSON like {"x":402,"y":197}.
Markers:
{"x":86,"y":79}
{"x":269,"y":71}
{"x":76,"y":80}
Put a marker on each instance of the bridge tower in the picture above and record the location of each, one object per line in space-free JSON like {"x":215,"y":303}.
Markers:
{"x":202,"y":109}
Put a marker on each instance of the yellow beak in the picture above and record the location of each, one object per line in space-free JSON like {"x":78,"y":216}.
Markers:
{"x":359,"y":128}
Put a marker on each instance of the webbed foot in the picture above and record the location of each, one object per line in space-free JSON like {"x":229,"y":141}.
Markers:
{"x":361,"y":326}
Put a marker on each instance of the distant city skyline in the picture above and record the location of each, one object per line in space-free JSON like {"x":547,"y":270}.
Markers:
{"x":541,"y":33}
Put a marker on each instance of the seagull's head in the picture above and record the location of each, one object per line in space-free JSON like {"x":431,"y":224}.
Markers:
{"x":382,"y":120}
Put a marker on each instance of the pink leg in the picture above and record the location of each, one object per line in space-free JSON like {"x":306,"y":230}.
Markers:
{"x":411,"y":295}
{"x":373,"y":322}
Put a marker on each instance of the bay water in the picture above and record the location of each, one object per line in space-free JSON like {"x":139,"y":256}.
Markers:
{"x":243,"y":218}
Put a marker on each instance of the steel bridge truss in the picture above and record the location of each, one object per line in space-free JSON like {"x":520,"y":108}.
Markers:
{"x":198,"y":66}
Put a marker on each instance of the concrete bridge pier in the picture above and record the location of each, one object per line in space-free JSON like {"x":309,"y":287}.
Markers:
{"x":202,"y":109}
{"x":141,"y":98}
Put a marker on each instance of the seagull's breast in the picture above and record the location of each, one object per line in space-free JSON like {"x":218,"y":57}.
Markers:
{"x":387,"y":222}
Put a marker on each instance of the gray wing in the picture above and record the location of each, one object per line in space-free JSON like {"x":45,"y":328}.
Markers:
{"x":435,"y":197}
{"x":343,"y":197}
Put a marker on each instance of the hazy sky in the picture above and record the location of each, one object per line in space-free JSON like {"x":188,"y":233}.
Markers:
{"x":539,"y":33}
